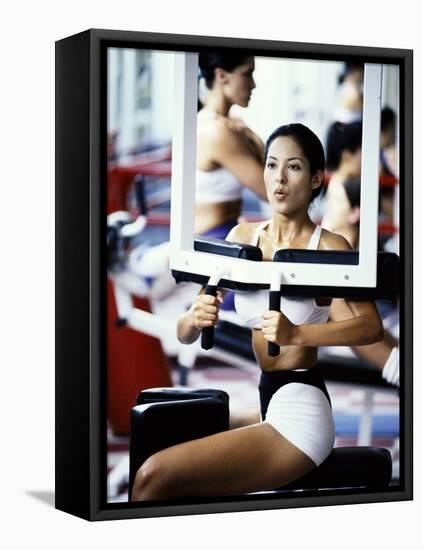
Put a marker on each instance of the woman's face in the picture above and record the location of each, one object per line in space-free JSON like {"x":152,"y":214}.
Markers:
{"x":287,"y":177}
{"x":351,"y":162}
{"x":239,"y":84}
{"x":352,"y":91}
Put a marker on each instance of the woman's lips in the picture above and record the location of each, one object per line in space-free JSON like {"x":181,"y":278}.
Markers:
{"x":280,"y":195}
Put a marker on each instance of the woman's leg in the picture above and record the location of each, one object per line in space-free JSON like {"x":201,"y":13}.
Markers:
{"x":238,"y":461}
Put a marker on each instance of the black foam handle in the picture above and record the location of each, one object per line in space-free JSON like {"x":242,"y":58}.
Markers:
{"x":274,"y":305}
{"x":139,"y":185}
{"x":207,"y":334}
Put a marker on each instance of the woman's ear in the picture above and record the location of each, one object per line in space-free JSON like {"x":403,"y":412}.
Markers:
{"x":220,"y":75}
{"x":318,"y":179}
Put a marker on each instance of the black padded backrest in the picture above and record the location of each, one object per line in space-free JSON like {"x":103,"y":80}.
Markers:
{"x":300,"y":255}
{"x":154,"y":395}
{"x":222,"y":248}
{"x":388,"y":274}
{"x":227,"y":248}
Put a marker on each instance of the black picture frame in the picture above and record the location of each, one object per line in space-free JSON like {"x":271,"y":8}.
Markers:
{"x":81,"y":271}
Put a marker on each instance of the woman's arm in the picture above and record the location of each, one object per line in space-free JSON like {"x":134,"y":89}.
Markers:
{"x":253,"y":141}
{"x":378,"y":353}
{"x":363,"y":327}
{"x":360,"y":326}
{"x":233,"y":151}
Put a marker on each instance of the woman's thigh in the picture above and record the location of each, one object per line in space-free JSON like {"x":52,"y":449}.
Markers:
{"x":238,"y":461}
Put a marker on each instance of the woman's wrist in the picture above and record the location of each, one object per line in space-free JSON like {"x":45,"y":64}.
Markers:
{"x":190,"y":320}
{"x":187,"y":331}
{"x":296,"y":335}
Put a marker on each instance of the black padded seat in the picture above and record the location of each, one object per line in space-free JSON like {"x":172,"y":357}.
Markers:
{"x":349,"y":467}
{"x":168,"y":416}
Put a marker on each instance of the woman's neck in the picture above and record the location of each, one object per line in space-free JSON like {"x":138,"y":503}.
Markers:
{"x":343,"y":173}
{"x":217,"y":103}
{"x":283,"y":230}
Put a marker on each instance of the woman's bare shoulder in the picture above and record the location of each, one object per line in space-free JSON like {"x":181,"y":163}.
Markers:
{"x":242,"y":233}
{"x":218,"y":131}
{"x":333,"y":241}
{"x":212,"y":124}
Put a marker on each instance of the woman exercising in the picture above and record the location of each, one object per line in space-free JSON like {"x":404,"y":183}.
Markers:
{"x":229,"y":155}
{"x":297,"y":431}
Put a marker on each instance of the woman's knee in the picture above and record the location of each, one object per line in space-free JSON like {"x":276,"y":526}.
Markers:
{"x":149,"y":483}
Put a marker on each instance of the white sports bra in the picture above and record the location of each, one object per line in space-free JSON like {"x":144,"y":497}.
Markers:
{"x":218,"y":185}
{"x":250,"y":305}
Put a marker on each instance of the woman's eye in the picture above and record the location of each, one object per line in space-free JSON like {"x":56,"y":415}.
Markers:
{"x":294,"y":166}
{"x":270,"y":165}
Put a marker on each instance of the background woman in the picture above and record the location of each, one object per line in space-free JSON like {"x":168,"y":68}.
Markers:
{"x":297,"y":431}
{"x":229,"y":155}
{"x":229,"y":159}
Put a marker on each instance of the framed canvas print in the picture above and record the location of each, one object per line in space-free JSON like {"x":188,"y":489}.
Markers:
{"x":233,"y":274}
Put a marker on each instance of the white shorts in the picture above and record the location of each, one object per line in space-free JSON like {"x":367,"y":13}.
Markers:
{"x":302,"y":414}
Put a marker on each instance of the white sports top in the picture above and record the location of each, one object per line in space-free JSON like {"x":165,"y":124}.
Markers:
{"x":218,"y":185}
{"x":251,"y":305}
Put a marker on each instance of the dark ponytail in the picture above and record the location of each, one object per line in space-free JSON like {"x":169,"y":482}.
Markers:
{"x":208,"y":62}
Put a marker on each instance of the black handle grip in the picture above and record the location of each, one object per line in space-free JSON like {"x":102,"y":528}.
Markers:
{"x":207,"y":334}
{"x":274,"y":305}
{"x":139,"y":185}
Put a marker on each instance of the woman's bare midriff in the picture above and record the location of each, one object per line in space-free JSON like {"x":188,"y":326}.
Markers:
{"x":289,"y":358}
{"x":212,"y":214}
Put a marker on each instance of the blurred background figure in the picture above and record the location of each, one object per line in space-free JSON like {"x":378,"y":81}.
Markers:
{"x":343,"y":160}
{"x":350,"y":93}
{"x":388,"y":171}
{"x":384,"y":354}
{"x":388,"y":156}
